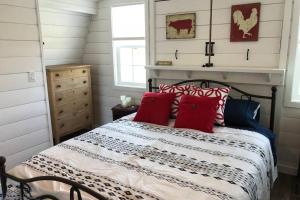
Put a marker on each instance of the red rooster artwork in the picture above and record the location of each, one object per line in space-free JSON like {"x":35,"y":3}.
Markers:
{"x":181,"y":26}
{"x":245,"y":22}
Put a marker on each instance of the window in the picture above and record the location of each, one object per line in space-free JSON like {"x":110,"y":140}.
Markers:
{"x":296,"y":83}
{"x":129,"y":45}
{"x":293,"y":75}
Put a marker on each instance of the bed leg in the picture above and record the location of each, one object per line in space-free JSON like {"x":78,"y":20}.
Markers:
{"x":3,"y":177}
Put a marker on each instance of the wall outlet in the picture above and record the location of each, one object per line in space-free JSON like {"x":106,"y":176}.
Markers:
{"x":32,"y":76}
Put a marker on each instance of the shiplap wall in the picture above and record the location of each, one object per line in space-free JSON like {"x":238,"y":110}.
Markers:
{"x":98,"y":52}
{"x":64,"y":30}
{"x":23,"y":114}
{"x":264,"y":53}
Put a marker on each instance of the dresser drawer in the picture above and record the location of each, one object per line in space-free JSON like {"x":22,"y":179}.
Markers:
{"x":65,"y":84}
{"x":69,"y":109}
{"x":68,"y":96}
{"x":71,"y":73}
{"x":75,"y":122}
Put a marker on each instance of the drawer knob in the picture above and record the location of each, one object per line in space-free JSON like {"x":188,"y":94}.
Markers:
{"x":83,"y":71}
{"x":87,"y":117}
{"x":58,"y":86}
{"x":57,"y":75}
{"x":59,"y":99}
{"x":86,"y":105}
{"x":84,"y":82}
{"x":85,"y":93}
{"x":60,"y":112}
{"x":62,"y":125}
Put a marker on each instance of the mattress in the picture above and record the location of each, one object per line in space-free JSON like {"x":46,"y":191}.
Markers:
{"x":132,"y":160}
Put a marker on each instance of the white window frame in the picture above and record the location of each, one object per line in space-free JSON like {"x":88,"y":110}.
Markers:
{"x":130,"y":86}
{"x":291,"y":68}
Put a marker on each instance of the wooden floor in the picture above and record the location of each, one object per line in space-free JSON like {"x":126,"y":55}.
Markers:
{"x":285,"y":188}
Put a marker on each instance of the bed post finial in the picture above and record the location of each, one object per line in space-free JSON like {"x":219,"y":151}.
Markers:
{"x":273,"y":104}
{"x":150,"y":84}
{"x":3,"y":177}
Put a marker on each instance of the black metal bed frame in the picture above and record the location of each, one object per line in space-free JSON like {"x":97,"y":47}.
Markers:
{"x":76,"y":188}
{"x":203,"y":83}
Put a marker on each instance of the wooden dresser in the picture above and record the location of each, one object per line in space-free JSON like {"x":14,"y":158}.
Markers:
{"x":70,"y":96}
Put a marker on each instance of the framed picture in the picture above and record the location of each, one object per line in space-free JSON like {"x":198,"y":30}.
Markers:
{"x":245,"y":22}
{"x":181,"y":26}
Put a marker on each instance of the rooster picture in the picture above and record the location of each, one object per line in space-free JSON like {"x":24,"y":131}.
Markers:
{"x":245,"y":19}
{"x":245,"y":25}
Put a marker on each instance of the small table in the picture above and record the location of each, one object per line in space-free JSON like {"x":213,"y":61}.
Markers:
{"x":119,"y":111}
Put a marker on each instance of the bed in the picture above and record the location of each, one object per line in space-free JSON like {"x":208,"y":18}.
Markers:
{"x":133,"y":160}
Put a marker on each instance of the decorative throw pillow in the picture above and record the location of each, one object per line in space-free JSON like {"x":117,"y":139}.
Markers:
{"x":197,"y":113}
{"x":241,"y":112}
{"x":179,"y":90}
{"x":155,"y":108}
{"x":214,"y":92}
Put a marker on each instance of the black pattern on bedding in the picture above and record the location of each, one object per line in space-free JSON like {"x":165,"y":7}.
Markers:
{"x":149,"y":172}
{"x":195,"y":148}
{"x":104,"y":185}
{"x":200,"y":137}
{"x":207,"y":138}
{"x":177,"y":161}
{"x":126,"y":160}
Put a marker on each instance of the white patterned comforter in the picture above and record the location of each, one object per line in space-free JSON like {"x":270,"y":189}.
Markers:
{"x":133,"y":161}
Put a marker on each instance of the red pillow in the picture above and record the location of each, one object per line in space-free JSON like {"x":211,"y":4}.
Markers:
{"x":179,"y":90}
{"x":197,"y":113}
{"x":155,"y":108}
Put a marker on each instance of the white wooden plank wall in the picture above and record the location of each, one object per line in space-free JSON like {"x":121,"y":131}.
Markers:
{"x":79,"y":6}
{"x":289,"y":140}
{"x":98,"y":52}
{"x":264,"y":53}
{"x":64,"y":32}
{"x":23,"y":114}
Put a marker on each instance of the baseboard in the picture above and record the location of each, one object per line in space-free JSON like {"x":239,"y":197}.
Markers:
{"x":286,"y":169}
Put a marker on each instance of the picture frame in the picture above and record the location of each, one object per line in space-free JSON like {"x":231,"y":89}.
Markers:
{"x":181,"y":26}
{"x":245,"y":22}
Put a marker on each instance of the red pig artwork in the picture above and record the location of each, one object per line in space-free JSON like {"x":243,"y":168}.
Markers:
{"x":182,"y":25}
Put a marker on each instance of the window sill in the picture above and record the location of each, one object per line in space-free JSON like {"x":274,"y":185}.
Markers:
{"x":292,"y":104}
{"x":130,"y":88}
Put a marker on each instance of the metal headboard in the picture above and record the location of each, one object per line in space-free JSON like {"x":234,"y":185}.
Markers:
{"x":206,"y":84}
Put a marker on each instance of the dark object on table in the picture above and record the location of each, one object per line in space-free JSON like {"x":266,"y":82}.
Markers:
{"x":119,"y":111}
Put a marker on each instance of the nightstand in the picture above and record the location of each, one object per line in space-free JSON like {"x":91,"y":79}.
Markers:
{"x":119,"y":111}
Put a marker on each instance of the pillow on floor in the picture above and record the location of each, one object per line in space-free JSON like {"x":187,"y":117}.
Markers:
{"x":197,"y":113}
{"x":155,"y":108}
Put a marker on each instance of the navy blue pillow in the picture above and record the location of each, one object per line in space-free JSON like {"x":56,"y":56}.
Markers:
{"x":241,"y":112}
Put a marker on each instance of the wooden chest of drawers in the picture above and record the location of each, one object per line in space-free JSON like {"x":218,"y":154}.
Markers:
{"x":70,"y":96}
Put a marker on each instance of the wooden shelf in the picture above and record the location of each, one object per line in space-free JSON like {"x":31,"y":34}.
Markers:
{"x":218,"y":69}
{"x":225,"y":71}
